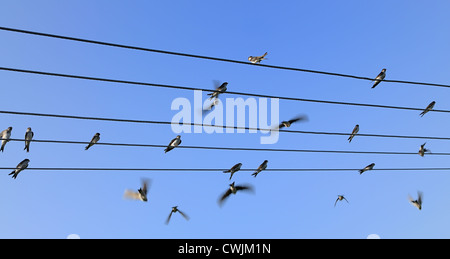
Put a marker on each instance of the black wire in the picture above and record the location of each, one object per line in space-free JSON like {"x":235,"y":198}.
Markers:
{"x":208,"y":90}
{"x":224,"y":169}
{"x":238,"y":148}
{"x":213,"y":58}
{"x":217,"y":126}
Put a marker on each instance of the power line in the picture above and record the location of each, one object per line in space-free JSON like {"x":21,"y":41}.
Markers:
{"x":217,"y":126}
{"x":209,"y":90}
{"x":237,"y":148}
{"x":224,"y":169}
{"x":212,"y":58}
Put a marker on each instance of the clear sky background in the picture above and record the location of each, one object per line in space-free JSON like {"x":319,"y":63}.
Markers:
{"x":408,"y":38}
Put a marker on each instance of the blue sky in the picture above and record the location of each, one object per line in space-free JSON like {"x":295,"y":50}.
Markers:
{"x":406,"y":37}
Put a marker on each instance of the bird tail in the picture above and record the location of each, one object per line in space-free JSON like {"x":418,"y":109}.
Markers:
{"x":361,"y":171}
{"x":264,"y":55}
{"x":167,"y":149}
{"x":87,"y":147}
{"x":27,"y":147}
{"x":13,"y":173}
{"x":3,"y":147}
{"x":350,"y":139}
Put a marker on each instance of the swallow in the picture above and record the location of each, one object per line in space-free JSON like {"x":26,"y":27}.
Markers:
{"x":209,"y":108}
{"x":174,"y":143}
{"x":367,"y":168}
{"x":19,"y":168}
{"x":221,"y":89}
{"x":354,"y":132}
{"x":175,"y":210}
{"x":234,"y":169}
{"x":6,"y":135}
{"x":257,"y":59}
{"x":233,"y":190}
{"x":28,"y":137}
{"x":417,"y":203}
{"x":141,"y":193}
{"x":261,"y":167}
{"x":288,"y":123}
{"x":379,"y":77}
{"x":429,"y":108}
{"x":340,"y":198}
{"x":422,"y":149}
{"x":94,"y":140}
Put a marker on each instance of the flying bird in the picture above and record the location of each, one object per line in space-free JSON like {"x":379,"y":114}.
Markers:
{"x":257,"y":59}
{"x":367,"y":168}
{"x":234,"y":169}
{"x":174,"y":143}
{"x":340,"y":198}
{"x":261,"y":167}
{"x":221,"y":89}
{"x":290,"y":122}
{"x":209,"y":108}
{"x":233,"y":190}
{"x":429,"y":108}
{"x":28,"y":137}
{"x":422,"y":149}
{"x":140,"y":194}
{"x":379,"y":77}
{"x":417,"y":203}
{"x":19,"y":168}
{"x":6,"y":135}
{"x":94,"y":140}
{"x":354,"y":132}
{"x":175,"y":210}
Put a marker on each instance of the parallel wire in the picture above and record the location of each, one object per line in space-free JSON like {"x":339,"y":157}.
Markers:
{"x":217,"y":126}
{"x":209,"y":90}
{"x":237,"y":148}
{"x":224,"y":169}
{"x":212,"y":58}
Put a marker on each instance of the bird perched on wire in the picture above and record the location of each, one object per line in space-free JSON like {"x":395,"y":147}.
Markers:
{"x":367,"y":168}
{"x":354,"y":132}
{"x":429,"y":108}
{"x":423,"y":150}
{"x":340,"y":198}
{"x":261,"y":167}
{"x":29,"y":134}
{"x":173,"y":144}
{"x":140,"y":194}
{"x":5,"y":135}
{"x":219,"y":90}
{"x":257,"y":59}
{"x":175,"y":210}
{"x":292,"y":121}
{"x":380,"y":77}
{"x":233,"y":190}
{"x":19,"y":168}
{"x":94,"y":140}
{"x":417,"y":203}
{"x":233,"y":169}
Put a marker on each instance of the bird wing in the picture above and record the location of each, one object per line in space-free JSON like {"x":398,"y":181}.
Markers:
{"x":336,"y":202}
{"x":345,"y":199}
{"x":298,"y":118}
{"x":224,"y":196}
{"x":184,"y":215}
{"x":244,"y":188}
{"x":132,"y":195}
{"x":420,"y":197}
{"x":145,"y":185}
{"x":168,"y":218}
